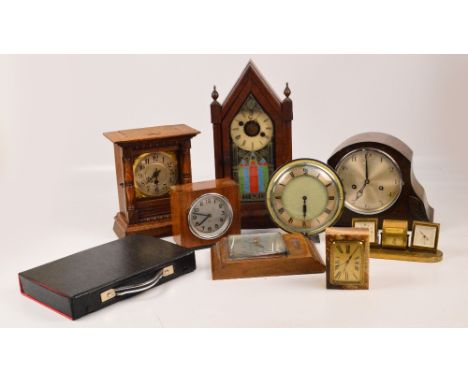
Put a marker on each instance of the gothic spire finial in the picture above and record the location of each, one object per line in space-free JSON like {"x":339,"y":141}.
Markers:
{"x":214,"y":94}
{"x":287,"y":91}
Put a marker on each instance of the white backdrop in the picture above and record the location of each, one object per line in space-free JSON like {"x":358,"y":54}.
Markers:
{"x":59,"y":192}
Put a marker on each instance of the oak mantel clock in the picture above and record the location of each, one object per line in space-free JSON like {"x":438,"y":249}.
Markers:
{"x":148,"y":162}
{"x":252,"y":138}
{"x":377,"y":174}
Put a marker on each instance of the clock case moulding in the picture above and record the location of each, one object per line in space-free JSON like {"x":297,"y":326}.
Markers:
{"x":150,"y":216}
{"x":412,"y":203}
{"x":254,"y":214}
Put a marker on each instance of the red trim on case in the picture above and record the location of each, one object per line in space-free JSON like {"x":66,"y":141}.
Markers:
{"x":41,"y":303}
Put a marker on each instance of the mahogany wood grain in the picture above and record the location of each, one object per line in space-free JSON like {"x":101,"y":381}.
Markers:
{"x":251,"y":81}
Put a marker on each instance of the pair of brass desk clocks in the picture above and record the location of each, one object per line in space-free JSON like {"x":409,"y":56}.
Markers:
{"x":366,"y":185}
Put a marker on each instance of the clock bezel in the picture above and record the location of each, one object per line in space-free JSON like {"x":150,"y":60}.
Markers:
{"x":230,"y":214}
{"x":312,"y":163}
{"x":348,"y":205}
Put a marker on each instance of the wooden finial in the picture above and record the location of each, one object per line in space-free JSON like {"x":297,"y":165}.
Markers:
{"x":214,"y":94}
{"x":287,"y":91}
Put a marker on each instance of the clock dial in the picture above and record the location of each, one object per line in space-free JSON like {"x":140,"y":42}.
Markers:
{"x":252,"y":153}
{"x":371,"y":179}
{"x":210,"y":216}
{"x":424,"y":236}
{"x":251,"y":130}
{"x":346,"y":262}
{"x":155,"y":173}
{"x":305,"y":196}
{"x":371,"y":226}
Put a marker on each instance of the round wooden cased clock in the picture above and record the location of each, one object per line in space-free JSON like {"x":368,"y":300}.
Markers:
{"x":205,"y":212}
{"x":148,"y":162}
{"x":252,"y":138}
{"x":377,"y":175}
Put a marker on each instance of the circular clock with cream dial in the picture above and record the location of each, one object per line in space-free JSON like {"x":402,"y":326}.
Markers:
{"x":251,"y":130}
{"x":210,"y":216}
{"x":371,"y":179}
{"x":155,"y":173}
{"x":305,"y":196}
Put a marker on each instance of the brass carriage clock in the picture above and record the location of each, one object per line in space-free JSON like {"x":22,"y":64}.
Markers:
{"x":252,"y":138}
{"x":148,"y":162}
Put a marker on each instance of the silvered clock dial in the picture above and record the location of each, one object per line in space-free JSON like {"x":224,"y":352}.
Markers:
{"x":371,"y":179}
{"x":210,"y":216}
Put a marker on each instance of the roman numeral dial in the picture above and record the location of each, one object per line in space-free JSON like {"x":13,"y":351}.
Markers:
{"x":305,"y":196}
{"x":251,"y":130}
{"x":346,"y":262}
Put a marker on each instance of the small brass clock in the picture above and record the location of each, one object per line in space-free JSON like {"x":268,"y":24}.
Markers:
{"x":372,"y":224}
{"x":425,"y":236}
{"x":395,"y":234}
{"x":347,"y":251}
{"x":305,"y":196}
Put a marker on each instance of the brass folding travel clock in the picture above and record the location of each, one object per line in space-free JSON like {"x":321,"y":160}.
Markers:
{"x":347,"y":251}
{"x":148,"y":162}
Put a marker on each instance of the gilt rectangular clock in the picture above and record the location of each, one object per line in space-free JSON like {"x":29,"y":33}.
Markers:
{"x":252,"y":138}
{"x":148,"y":162}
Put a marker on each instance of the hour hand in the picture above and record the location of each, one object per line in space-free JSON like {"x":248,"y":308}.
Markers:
{"x":199,"y":214}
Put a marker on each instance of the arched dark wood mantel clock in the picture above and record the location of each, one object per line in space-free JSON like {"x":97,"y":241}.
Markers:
{"x":252,"y":138}
{"x":377,"y":175}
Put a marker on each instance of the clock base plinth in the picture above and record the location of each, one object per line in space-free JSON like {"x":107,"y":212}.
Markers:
{"x":406,"y":255}
{"x":158,"y":228}
{"x":302,"y":258}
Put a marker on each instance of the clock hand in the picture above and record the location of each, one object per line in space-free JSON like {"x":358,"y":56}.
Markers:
{"x":367,"y":171}
{"x":366,"y":181}
{"x":304,"y":206}
{"x":198,"y":213}
{"x":204,"y":220}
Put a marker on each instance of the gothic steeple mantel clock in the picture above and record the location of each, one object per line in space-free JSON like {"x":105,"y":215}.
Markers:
{"x":148,"y":162}
{"x":252,"y":138}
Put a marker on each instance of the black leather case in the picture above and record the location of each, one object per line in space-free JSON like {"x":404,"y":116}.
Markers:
{"x":84,"y":282}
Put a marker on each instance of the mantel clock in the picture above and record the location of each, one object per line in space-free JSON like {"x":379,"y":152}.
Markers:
{"x":148,"y":162}
{"x":377,"y":174}
{"x":252,"y":138}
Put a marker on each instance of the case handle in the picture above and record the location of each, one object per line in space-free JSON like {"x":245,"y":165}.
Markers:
{"x":137,"y":288}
